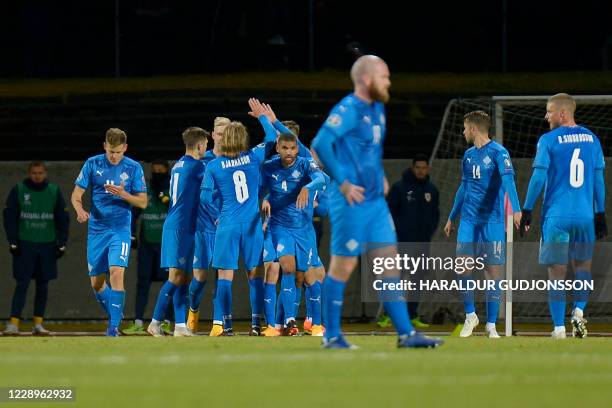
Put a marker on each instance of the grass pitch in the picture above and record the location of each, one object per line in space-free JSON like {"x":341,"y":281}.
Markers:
{"x":243,"y":371}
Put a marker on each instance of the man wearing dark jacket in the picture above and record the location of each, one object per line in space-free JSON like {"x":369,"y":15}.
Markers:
{"x":36,"y":225}
{"x":414,"y":205}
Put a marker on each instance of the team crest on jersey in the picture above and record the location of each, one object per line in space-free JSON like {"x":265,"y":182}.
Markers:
{"x":123,"y":176}
{"x":428,"y":197}
{"x":486,"y":160}
{"x":352,"y":245}
{"x":367,"y":119}
{"x":296,"y":174}
{"x":334,"y":120}
{"x":280,"y":247}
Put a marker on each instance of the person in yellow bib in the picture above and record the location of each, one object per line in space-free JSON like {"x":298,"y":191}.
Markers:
{"x":36,"y":224}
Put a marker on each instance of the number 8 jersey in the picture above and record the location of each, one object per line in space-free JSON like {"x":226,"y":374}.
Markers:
{"x":237,"y":180}
{"x":570,"y":155}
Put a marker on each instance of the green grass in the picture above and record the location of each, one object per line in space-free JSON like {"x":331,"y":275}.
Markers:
{"x":241,"y":371}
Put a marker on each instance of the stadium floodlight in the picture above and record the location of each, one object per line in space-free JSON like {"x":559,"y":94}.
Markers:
{"x":517,"y":123}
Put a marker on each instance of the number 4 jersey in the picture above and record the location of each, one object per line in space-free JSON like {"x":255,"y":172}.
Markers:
{"x":570,"y":155}
{"x":237,"y":180}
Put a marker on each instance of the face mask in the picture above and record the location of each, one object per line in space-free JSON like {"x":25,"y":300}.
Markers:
{"x":160,"y":182}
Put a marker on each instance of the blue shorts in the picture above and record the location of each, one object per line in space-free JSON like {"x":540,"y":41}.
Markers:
{"x":298,"y":242}
{"x":354,"y":226}
{"x":566,"y":238}
{"x":482,"y":239}
{"x":106,"y":249}
{"x":203,"y":249}
{"x":177,"y":249}
{"x":269,"y":253}
{"x":233,"y":239}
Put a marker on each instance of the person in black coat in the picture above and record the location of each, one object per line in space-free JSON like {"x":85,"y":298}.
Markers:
{"x":414,"y":203}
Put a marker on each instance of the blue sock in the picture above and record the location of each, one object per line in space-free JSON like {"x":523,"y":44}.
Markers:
{"x":288,"y":296}
{"x":581,"y":297}
{"x":163,"y":300}
{"x":116,"y":303}
{"x":196,"y":292}
{"x":467,"y":295}
{"x":280,"y":312}
{"x":556,"y":304}
{"x":256,"y":294}
{"x":298,"y":299}
{"x":224,"y":293}
{"x":217,"y":307}
{"x":180,"y":304}
{"x":333,"y":297}
{"x":270,"y":303}
{"x":103,"y":298}
{"x":315,"y":302}
{"x":395,"y":305}
{"x":493,"y":302}
{"x":308,"y":302}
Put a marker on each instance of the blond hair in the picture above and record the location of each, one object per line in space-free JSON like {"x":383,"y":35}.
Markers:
{"x":364,"y":65}
{"x":193,"y":135}
{"x":563,"y":100}
{"x":221,"y":121}
{"x":235,"y":139}
{"x":115,"y":137}
{"x":478,"y":118}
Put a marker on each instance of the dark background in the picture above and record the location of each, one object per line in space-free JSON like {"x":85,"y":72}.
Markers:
{"x":69,"y":38}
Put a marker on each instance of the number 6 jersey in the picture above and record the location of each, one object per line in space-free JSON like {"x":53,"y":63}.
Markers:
{"x":570,"y":155}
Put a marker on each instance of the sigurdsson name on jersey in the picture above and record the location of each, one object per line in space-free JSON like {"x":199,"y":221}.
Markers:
{"x":236,"y":162}
{"x":576,"y":138}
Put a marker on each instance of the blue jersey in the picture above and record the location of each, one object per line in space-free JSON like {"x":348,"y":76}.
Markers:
{"x":570,"y":155}
{"x":208,"y":212}
{"x":237,"y":180}
{"x":357,"y":132}
{"x":285,"y":184}
{"x":109,"y":211}
{"x":483,"y":169}
{"x":185,"y":179}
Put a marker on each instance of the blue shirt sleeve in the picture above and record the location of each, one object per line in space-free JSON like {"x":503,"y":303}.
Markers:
{"x":542,"y":159}
{"x":322,"y":208}
{"x":510,"y":188}
{"x":258,"y":153}
{"x":84,"y":176}
{"x":536,"y":185}
{"x":270,"y":131}
{"x":317,"y":178}
{"x":600,"y":191}
{"x":208,"y":182}
{"x":458,"y":203}
{"x":139,"y":185}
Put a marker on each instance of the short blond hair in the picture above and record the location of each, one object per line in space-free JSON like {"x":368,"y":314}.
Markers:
{"x":221,"y":121}
{"x":194,"y":135}
{"x":563,"y":100}
{"x":115,"y":137}
{"x":235,"y":139}
{"x":480,"y":119}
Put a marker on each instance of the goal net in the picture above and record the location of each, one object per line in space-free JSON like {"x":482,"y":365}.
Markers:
{"x":517,"y":123}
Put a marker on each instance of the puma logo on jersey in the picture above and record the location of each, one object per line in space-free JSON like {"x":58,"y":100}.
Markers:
{"x":275,"y":177}
{"x":122,"y":258}
{"x":99,"y":172}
